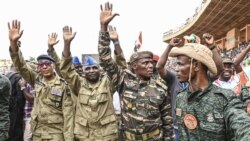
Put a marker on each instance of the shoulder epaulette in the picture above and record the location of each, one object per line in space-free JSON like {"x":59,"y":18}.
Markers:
{"x":130,"y":73}
{"x":225,"y":93}
{"x":158,"y":82}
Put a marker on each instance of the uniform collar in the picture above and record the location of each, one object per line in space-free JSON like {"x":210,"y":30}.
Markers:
{"x":197,"y":95}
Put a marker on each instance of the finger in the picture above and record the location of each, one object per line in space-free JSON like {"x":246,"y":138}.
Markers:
{"x":111,"y":7}
{"x":70,"y":29}
{"x":74,"y":34}
{"x":114,"y":28}
{"x":48,"y":36}
{"x":57,"y":42}
{"x":106,"y":6}
{"x":9,"y":25}
{"x":109,"y":28}
{"x":18,"y":25}
{"x":13,"y":22}
{"x":21,"y":33}
{"x":101,"y":7}
{"x":56,"y":35}
{"x":116,"y":14}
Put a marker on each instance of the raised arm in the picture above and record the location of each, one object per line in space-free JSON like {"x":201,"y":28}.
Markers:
{"x":104,"y":50}
{"x":14,"y":35}
{"x":164,"y":57}
{"x":239,"y":58}
{"x":119,"y":56}
{"x":67,"y":69}
{"x":52,"y":40}
{"x":209,"y":42}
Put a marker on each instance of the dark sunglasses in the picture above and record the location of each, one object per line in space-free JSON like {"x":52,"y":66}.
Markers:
{"x":89,"y":68}
{"x":41,"y":64}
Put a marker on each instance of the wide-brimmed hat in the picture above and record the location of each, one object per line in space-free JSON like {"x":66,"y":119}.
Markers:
{"x":198,"y":52}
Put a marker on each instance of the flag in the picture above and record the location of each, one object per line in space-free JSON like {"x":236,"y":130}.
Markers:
{"x":138,"y":43}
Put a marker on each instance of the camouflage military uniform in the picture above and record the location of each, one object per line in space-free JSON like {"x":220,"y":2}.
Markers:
{"x":54,"y":55}
{"x":5,"y":91}
{"x":52,"y":116}
{"x":212,"y":115}
{"x":145,"y":105}
{"x":95,"y":118}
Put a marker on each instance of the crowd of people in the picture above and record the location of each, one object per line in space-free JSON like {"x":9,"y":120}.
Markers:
{"x":188,"y":93}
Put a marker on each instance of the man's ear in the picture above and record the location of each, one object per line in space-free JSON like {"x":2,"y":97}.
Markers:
{"x":196,"y":65}
{"x":134,"y":66}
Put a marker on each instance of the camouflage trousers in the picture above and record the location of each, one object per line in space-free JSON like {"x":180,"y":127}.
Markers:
{"x":3,"y":135}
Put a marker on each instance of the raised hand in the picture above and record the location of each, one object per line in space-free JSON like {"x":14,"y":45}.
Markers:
{"x":106,"y":15}
{"x":68,"y":35}
{"x":175,"y":42}
{"x":113,"y":34}
{"x":52,"y":39}
{"x":14,"y":31}
{"x":209,"y":39}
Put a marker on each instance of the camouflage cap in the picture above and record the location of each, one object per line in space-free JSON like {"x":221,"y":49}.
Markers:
{"x":140,"y":55}
{"x":227,"y":60}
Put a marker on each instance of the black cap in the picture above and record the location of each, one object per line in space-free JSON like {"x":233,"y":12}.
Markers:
{"x":45,"y":57}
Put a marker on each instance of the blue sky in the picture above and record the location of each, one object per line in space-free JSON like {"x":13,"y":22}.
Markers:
{"x":42,"y":17}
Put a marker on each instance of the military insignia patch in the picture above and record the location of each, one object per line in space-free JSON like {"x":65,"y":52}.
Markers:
{"x":190,"y":121}
{"x":57,"y":104}
{"x":178,"y":111}
{"x":210,"y":117}
{"x":56,"y":91}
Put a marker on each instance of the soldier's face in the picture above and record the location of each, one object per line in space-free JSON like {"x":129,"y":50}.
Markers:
{"x":92,"y":73}
{"x":144,"y":68}
{"x":227,"y":72}
{"x":183,"y":68}
{"x":79,"y":69}
{"x":46,"y":68}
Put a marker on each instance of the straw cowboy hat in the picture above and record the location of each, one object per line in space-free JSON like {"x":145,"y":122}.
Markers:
{"x":198,"y":52}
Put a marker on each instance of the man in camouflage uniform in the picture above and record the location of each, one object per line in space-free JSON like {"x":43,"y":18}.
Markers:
{"x":52,"y":116}
{"x":95,"y":118}
{"x":5,"y":91}
{"x":205,"y":111}
{"x":145,"y":105}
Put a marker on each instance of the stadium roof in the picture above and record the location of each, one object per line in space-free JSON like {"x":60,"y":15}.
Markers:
{"x":216,"y":17}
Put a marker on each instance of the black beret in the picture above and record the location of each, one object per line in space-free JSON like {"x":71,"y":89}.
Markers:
{"x":46,"y":57}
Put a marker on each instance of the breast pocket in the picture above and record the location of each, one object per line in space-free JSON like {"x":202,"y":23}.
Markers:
{"x":55,"y":101}
{"x":215,"y":129}
{"x":129,"y":100}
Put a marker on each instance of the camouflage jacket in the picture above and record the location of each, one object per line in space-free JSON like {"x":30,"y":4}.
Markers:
{"x":213,"y":115}
{"x":145,"y":105}
{"x":53,"y":105}
{"x":5,"y":92}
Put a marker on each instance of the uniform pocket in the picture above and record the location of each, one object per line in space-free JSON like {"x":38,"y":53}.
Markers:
{"x":109,"y":125}
{"x":81,"y":126}
{"x":102,"y":97}
{"x":55,"y":119}
{"x":83,"y":99}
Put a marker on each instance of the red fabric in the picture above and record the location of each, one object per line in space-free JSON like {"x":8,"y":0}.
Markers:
{"x":155,"y":57}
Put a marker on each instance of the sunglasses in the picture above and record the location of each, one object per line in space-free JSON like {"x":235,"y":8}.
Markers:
{"x":41,"y":64}
{"x":89,"y":68}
